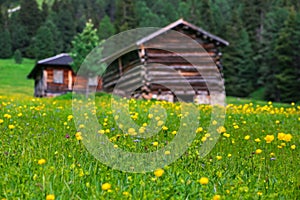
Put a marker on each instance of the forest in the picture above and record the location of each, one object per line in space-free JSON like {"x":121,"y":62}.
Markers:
{"x":262,"y":60}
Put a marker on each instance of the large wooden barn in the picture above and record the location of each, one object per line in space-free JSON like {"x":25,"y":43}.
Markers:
{"x":54,"y":76}
{"x":161,"y":65}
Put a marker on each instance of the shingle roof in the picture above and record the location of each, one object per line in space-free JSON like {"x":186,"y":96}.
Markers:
{"x":60,"y":60}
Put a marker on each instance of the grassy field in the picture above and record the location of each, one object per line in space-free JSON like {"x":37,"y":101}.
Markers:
{"x":45,"y":154}
{"x":13,"y":78}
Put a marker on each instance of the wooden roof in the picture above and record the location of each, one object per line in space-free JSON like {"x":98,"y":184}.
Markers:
{"x":171,"y":26}
{"x":62,"y":60}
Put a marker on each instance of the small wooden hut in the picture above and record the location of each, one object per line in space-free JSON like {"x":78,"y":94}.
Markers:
{"x":151,"y":71}
{"x":54,"y":76}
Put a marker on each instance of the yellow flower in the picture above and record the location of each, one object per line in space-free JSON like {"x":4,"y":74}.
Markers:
{"x":167,"y":152}
{"x":131,"y":131}
{"x":258,"y":151}
{"x":50,"y":197}
{"x":41,"y":161}
{"x":70,"y":117}
{"x":174,"y":132}
{"x":203,"y":180}
{"x":106,"y":186}
{"x":214,"y":122}
{"x":164,"y":128}
{"x":199,"y":130}
{"x":259,"y":193}
{"x":236,"y":127}
{"x":293,"y":147}
{"x":257,"y":140}
{"x":159,"y":172}
{"x":125,"y":193}
{"x":226,"y":135}
{"x":247,"y":137}
{"x":101,"y":132}
{"x":272,"y":154}
{"x":269,"y":138}
{"x":287,"y":137}
{"x":216,"y":197}
{"x":221,"y":129}
{"x":277,"y":122}
{"x":150,"y":116}
{"x":281,"y":136}
{"x":78,"y":136}
{"x":155,"y":144}
{"x":142,"y":130}
{"x":81,"y":126}
{"x":229,"y":155}
{"x":11,"y":127}
{"x":1,"y":121}
{"x":160,"y":123}
{"x":219,"y":157}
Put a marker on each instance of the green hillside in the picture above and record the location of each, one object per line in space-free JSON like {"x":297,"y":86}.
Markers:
{"x":13,"y":80}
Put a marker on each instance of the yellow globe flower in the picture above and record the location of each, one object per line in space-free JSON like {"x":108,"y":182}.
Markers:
{"x":203,"y":181}
{"x":106,"y":186}
{"x":269,"y":138}
{"x":41,"y":161}
{"x":159,"y":172}
{"x":50,"y":197}
{"x":258,"y":151}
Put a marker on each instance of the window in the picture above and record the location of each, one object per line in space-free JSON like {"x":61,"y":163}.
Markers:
{"x":93,"y":81}
{"x":58,"y":76}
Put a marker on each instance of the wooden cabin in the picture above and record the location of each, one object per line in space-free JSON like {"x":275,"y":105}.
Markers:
{"x":54,"y":76}
{"x":164,"y":66}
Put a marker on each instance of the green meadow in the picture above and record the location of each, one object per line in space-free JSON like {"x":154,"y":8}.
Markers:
{"x":43,"y":155}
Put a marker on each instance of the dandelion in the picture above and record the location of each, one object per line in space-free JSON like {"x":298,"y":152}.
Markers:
{"x":106,"y":186}
{"x":259,"y":193}
{"x":142,"y":130}
{"x":214,"y":122}
{"x":269,"y":138}
{"x":167,"y":152}
{"x":200,"y":129}
{"x":203,"y":181}
{"x":150,"y":116}
{"x":236,"y":127}
{"x":216,"y":197}
{"x":293,"y":147}
{"x":229,"y":155}
{"x":155,"y":144}
{"x":1,"y":121}
{"x":160,"y":123}
{"x":131,"y":131}
{"x":164,"y":128}
{"x":125,"y":193}
{"x":50,"y":197}
{"x":277,"y":122}
{"x":272,"y":154}
{"x":101,"y":132}
{"x":221,"y":129}
{"x":226,"y":135}
{"x":70,"y":117}
{"x":247,"y":137}
{"x":219,"y":157}
{"x":258,"y":151}
{"x":280,"y":136}
{"x":41,"y":161}
{"x":159,"y":172}
{"x":174,"y":132}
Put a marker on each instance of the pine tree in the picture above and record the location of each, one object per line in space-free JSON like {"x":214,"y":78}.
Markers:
{"x":18,"y":56}
{"x":30,"y":16}
{"x":5,"y":44}
{"x":43,"y":44}
{"x":106,"y":28}
{"x":125,"y":15}
{"x":287,"y":60}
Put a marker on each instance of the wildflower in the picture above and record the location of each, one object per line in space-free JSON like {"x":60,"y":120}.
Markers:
{"x":155,"y":144}
{"x":20,"y":115}
{"x":216,"y":197}
{"x":167,"y":152}
{"x":277,"y":122}
{"x":81,"y":126}
{"x":1,"y":121}
{"x":11,"y":127}
{"x":257,"y":140}
{"x":226,"y":135}
{"x":269,"y":138}
{"x":203,"y":181}
{"x":258,"y":151}
{"x":199,"y":130}
{"x":164,"y":128}
{"x":150,"y":116}
{"x":219,"y":157}
{"x":247,"y":137}
{"x":221,"y":129}
{"x":41,"y":161}
{"x":287,"y":137}
{"x":272,"y":154}
{"x":50,"y":197}
{"x":214,"y":122}
{"x":236,"y":127}
{"x":142,"y":130}
{"x":293,"y":147}
{"x":131,"y":131}
{"x":259,"y":193}
{"x":70,"y":117}
{"x":67,"y":136}
{"x":125,"y":193}
{"x":159,"y":172}
{"x":229,"y":155}
{"x":174,"y":132}
{"x":160,"y":123}
{"x":280,"y":136}
{"x":106,"y":186}
{"x":78,"y":136}
{"x":101,"y":132}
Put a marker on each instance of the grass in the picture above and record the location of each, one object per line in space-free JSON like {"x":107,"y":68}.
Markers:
{"x":42,"y":151}
{"x":13,"y":77}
